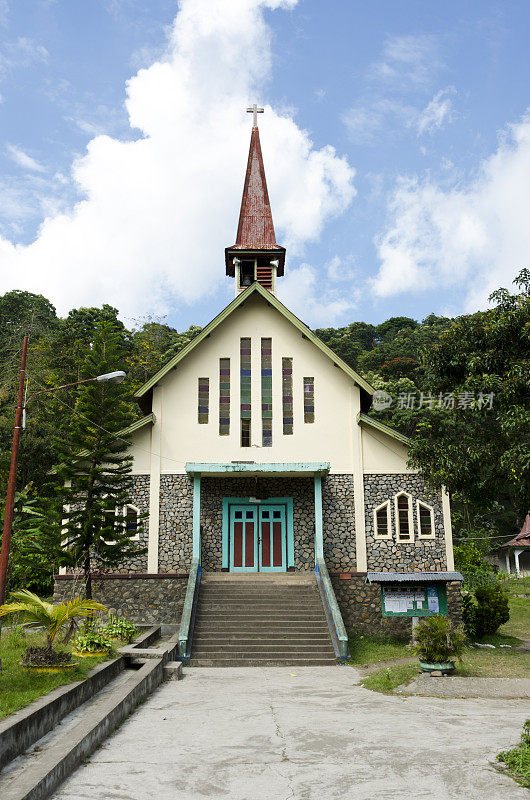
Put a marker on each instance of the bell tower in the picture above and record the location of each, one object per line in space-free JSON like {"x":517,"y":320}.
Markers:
{"x":255,"y":256}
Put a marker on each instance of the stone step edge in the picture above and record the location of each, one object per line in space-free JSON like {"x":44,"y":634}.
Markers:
{"x":48,"y":769}
{"x":273,"y":662}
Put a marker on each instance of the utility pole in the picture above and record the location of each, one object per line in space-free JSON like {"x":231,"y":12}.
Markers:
{"x":11,"y":486}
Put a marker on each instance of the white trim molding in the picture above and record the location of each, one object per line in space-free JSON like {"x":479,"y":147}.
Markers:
{"x":399,"y":539}
{"x":388,"y":534}
{"x":136,"y":537}
{"x":430,"y":509}
{"x":448,"y":531}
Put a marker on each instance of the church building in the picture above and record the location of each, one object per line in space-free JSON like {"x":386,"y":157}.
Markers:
{"x":268,"y":491}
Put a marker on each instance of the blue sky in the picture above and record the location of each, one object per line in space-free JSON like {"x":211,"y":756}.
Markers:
{"x":396,"y":144}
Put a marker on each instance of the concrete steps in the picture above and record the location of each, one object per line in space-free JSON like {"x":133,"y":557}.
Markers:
{"x":260,"y":620}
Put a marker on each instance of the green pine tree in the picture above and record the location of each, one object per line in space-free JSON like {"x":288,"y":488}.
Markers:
{"x":94,"y":473}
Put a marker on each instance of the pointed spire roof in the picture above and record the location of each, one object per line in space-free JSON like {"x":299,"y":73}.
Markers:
{"x":255,"y":230}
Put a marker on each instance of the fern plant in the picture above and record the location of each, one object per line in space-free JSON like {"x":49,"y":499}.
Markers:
{"x":91,"y":640}
{"x":120,"y":628}
{"x":437,"y":640}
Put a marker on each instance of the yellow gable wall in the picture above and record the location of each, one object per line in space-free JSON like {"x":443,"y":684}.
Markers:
{"x":382,"y":453}
{"x":177,"y":435}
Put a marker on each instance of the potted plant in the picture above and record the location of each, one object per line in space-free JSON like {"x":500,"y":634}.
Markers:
{"x":120,"y":629}
{"x":92,"y":641}
{"x":36,"y":613}
{"x":438,"y":643}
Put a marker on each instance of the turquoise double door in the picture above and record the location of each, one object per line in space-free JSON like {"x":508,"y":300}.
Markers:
{"x":258,"y":538}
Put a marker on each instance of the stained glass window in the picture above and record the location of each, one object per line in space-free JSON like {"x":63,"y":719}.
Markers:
{"x":224,"y":396}
{"x":245,"y":391}
{"x":204,"y":398}
{"x":309,"y":399}
{"x":266,"y":392}
{"x":287,"y":395}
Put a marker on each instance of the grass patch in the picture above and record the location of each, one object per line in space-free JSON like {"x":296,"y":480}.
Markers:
{"x":385,"y":680}
{"x":517,"y":759}
{"x":17,"y":687}
{"x":498,"y":663}
{"x":519,"y":623}
{"x":369,"y":649}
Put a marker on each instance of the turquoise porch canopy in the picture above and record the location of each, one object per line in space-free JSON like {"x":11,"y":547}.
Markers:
{"x":316,"y":469}
{"x":255,"y":468}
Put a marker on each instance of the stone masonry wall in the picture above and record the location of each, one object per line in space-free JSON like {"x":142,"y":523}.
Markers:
{"x":139,"y":498}
{"x":361,"y":609}
{"x":338,"y":522}
{"x":300,"y":489}
{"x":337,"y":514}
{"x":422,"y":555}
{"x":175,"y":528}
{"x":139,"y":598}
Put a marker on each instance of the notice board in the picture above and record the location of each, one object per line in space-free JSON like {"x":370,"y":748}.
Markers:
{"x":413,"y":600}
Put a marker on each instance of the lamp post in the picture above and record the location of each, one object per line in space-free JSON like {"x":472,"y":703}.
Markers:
{"x":20,"y":418}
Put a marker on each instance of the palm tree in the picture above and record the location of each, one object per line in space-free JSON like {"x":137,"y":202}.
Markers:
{"x":37,"y":613}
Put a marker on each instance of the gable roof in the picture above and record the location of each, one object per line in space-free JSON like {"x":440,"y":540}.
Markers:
{"x":381,"y":426}
{"x":366,"y":389}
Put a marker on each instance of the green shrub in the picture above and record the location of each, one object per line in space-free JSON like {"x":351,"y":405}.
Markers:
{"x":91,"y":640}
{"x":469,"y":610}
{"x":491,"y":610}
{"x":436,"y":640}
{"x":120,"y":628}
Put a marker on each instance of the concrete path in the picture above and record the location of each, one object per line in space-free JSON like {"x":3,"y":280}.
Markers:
{"x":269,"y":733}
{"x":449,"y":686}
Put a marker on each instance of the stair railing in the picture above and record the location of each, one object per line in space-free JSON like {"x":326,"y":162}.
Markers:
{"x":188,"y":612}
{"x":339,"y":637}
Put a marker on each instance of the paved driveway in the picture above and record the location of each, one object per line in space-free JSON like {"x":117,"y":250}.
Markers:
{"x":278,"y":733}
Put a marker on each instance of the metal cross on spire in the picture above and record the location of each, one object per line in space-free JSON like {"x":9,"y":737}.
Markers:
{"x":255,"y":111}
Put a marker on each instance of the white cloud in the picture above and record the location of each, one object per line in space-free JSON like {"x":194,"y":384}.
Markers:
{"x":308,"y":293}
{"x":437,"y":112}
{"x":394,"y":86}
{"x":22,"y":159}
{"x":473,"y":237}
{"x":157,"y":212}
{"x":407,"y":60}
{"x":365,"y":121}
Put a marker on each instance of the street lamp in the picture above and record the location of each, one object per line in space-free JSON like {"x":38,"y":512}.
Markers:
{"x":20,"y":423}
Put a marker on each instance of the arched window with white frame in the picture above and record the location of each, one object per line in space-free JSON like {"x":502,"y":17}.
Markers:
{"x":425,"y":520}
{"x":383,"y":521}
{"x":131,"y":514}
{"x":404,"y":521}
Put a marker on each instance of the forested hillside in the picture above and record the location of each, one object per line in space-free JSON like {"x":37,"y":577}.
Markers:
{"x":458,"y":387}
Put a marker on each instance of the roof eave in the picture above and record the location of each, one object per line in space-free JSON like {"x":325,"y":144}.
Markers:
{"x":277,"y":253}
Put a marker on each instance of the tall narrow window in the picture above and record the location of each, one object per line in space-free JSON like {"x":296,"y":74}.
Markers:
{"x":287,"y":394}
{"x":245,"y":391}
{"x":204,"y":399}
{"x":131,"y":522}
{"x":266,"y":392}
{"x":224,"y":396}
{"x":404,"y":518}
{"x":425,"y":521}
{"x":309,"y":399}
{"x":382,"y":526}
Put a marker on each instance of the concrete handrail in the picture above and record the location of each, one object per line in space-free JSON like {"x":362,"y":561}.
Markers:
{"x":187,"y":611}
{"x":322,"y":574}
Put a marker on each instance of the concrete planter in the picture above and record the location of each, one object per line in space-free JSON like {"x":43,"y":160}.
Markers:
{"x":90,"y":654}
{"x":445,"y":667}
{"x":39,"y":668}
